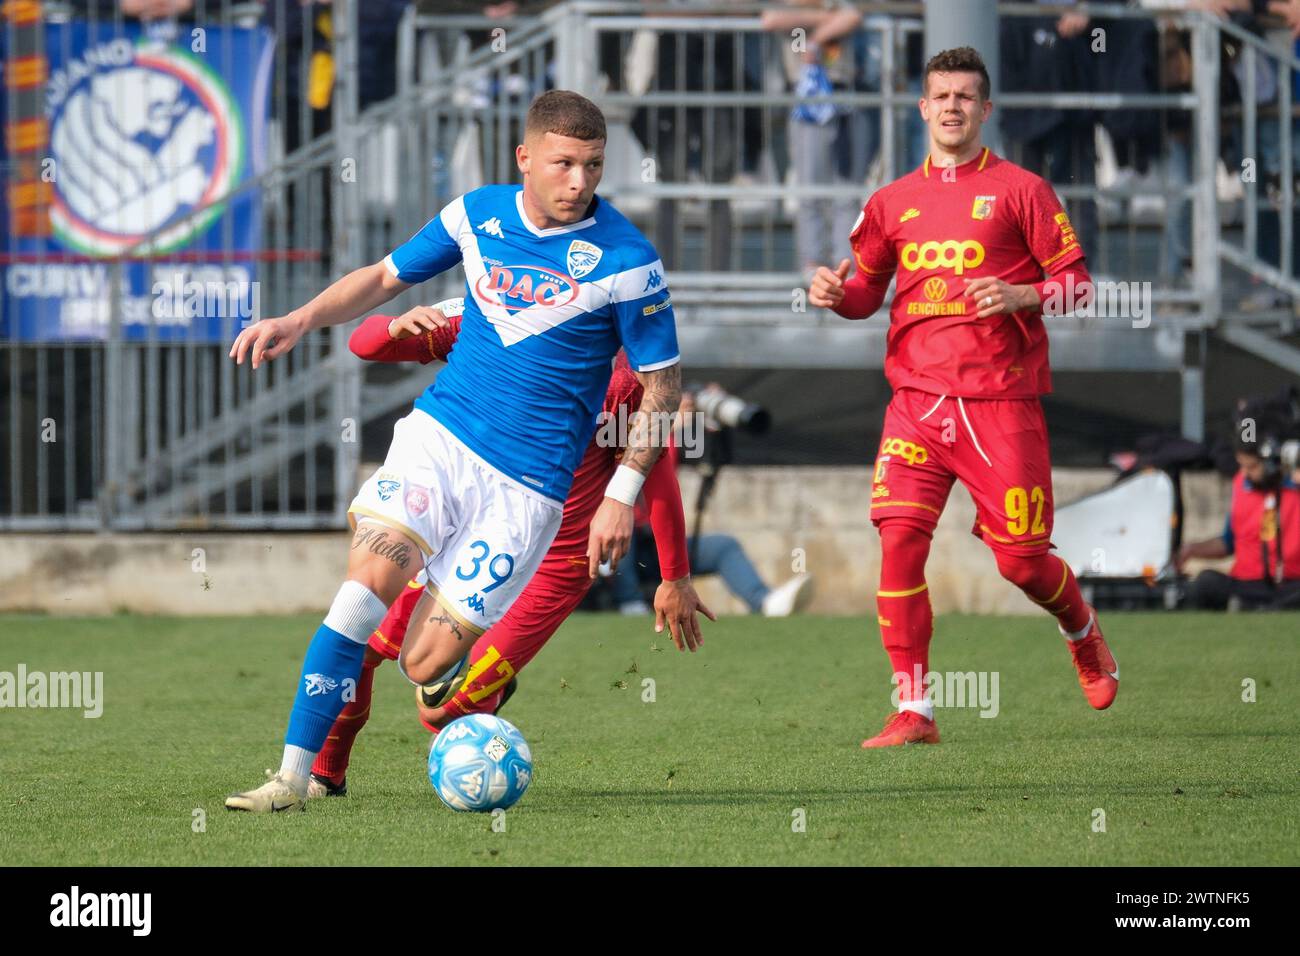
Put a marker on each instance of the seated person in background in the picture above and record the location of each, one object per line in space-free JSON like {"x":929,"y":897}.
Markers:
{"x":1262,"y":534}
{"x":715,"y":554}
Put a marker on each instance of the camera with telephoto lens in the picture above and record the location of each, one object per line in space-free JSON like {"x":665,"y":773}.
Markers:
{"x":1281,"y":456}
{"x":721,"y":409}
{"x":1277,"y":422}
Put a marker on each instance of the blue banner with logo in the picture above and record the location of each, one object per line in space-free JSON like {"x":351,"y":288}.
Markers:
{"x":145,"y":129}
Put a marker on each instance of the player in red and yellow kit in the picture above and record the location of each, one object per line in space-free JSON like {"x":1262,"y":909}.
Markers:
{"x":426,"y":334}
{"x":977,"y":245}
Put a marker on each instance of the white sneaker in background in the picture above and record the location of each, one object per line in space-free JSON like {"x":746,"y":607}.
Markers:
{"x":634,"y":608}
{"x":789,"y":598}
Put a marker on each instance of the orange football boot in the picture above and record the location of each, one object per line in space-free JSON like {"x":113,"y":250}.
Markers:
{"x":905,"y":727}
{"x":1098,"y":672}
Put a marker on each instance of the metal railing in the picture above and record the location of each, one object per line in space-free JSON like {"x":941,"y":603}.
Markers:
{"x":163,"y":433}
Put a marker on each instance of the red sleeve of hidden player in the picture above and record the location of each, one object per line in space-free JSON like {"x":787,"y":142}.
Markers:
{"x":372,"y":342}
{"x":667,"y":519}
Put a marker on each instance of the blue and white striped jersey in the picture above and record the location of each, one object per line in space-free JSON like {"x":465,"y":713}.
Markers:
{"x":546,"y":310}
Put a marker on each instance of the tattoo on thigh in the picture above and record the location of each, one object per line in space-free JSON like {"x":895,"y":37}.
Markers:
{"x":451,"y":622}
{"x":379,"y":542}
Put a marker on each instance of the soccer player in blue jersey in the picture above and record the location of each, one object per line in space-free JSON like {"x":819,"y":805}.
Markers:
{"x":473,"y":485}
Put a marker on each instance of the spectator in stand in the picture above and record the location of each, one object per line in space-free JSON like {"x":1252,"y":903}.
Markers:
{"x":696,"y":144}
{"x":310,"y":22}
{"x":1051,"y":54}
{"x":830,"y":144}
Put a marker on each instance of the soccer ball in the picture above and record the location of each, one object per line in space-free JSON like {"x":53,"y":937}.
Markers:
{"x":480,"y":763}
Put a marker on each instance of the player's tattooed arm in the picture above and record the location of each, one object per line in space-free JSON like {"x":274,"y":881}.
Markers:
{"x":648,"y":431}
{"x":649,"y":428}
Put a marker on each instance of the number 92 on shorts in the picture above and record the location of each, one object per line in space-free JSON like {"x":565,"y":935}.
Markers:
{"x":482,"y":534}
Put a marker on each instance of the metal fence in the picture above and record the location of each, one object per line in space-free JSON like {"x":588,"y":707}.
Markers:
{"x":153,"y":430}
{"x":703,"y":155}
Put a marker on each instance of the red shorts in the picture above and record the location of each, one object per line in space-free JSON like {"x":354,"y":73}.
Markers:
{"x":552,"y":594}
{"x":997,"y":447}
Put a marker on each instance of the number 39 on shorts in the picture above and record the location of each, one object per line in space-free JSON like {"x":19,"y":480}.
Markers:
{"x":499,"y":566}
{"x":1019,"y":504}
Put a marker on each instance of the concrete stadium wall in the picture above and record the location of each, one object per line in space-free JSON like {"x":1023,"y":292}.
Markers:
{"x":772,"y":511}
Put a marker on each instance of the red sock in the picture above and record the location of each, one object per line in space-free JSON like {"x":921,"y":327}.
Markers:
{"x":332,"y":761}
{"x":1048,"y":581}
{"x":903,"y":606}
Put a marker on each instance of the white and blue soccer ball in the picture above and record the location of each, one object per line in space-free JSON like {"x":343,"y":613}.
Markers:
{"x":480,"y":763}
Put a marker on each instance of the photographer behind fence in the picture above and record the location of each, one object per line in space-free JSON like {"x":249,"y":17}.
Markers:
{"x":1262,"y":532}
{"x":721,"y":414}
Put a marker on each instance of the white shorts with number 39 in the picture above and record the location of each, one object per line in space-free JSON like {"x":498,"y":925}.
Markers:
{"x":482,"y":533}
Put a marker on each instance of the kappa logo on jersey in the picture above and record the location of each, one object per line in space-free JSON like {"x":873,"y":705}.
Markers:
{"x":957,"y":255}
{"x":910,"y":452}
{"x":910,"y":214}
{"x":582,"y":258}
{"x":492,"y":227}
{"x":982,"y":207}
{"x":387,"y":489}
{"x":317,"y":684}
{"x":653,"y":282}
{"x":475,"y":603}
{"x":521,"y":287}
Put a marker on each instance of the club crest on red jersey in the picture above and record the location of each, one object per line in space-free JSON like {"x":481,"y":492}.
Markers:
{"x":983,"y":207}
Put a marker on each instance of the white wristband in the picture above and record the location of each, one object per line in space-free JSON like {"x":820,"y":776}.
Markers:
{"x":625,"y":486}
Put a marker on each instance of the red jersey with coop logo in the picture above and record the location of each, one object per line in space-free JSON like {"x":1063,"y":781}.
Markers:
{"x":935,"y":228}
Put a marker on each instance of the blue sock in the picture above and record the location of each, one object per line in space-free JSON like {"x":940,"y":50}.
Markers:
{"x":329,"y":674}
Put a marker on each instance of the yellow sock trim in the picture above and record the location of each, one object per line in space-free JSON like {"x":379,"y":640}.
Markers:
{"x":907,"y":593}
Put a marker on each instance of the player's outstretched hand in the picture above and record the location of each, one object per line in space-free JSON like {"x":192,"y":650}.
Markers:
{"x":827,"y":289}
{"x":266,"y":340}
{"x":675,"y":605}
{"x":421,"y":319}
{"x":611,"y":535}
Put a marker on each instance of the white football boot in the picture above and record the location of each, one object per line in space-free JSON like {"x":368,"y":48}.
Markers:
{"x":789,"y":598}
{"x":282,"y":791}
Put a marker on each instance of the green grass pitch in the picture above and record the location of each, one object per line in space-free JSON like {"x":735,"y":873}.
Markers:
{"x":765,"y":721}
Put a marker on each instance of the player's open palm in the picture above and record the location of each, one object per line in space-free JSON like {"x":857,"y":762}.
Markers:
{"x":827,"y":288}
{"x":421,"y":319}
{"x":676,"y":604}
{"x":266,"y":340}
